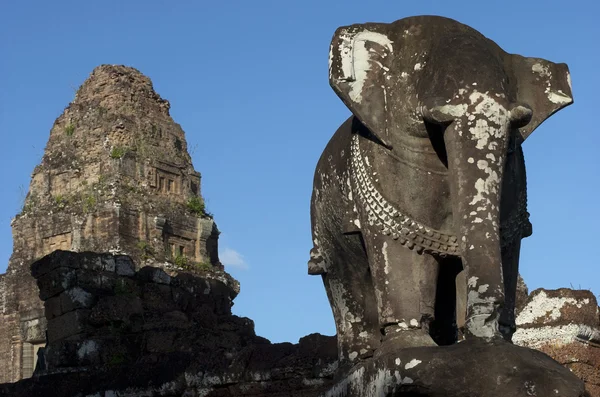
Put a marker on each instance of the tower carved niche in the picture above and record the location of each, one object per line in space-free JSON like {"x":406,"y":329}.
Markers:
{"x":181,"y":240}
{"x":166,"y":178}
{"x":62,"y":241}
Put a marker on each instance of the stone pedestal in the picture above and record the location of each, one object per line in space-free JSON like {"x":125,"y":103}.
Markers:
{"x":468,"y":369}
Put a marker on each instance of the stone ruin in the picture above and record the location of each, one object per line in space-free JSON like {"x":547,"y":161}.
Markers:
{"x":116,"y":176}
{"x":115,"y":288}
{"x":115,"y":329}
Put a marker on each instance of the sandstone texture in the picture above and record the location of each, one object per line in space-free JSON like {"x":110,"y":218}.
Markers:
{"x":473,"y":368}
{"x":116,"y":177}
{"x":115,"y":331}
{"x":564,"y":324}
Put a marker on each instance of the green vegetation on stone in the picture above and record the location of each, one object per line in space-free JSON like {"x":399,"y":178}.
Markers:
{"x":118,"y":152}
{"x":180,"y":261}
{"x":30,"y":203}
{"x":69,"y":129}
{"x":89,"y":204}
{"x":203,"y":266}
{"x":196,"y":206}
{"x":60,"y":201}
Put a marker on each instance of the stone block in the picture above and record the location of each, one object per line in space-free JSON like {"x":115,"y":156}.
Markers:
{"x":125,"y":266}
{"x":74,"y":352}
{"x":160,"y":342}
{"x":91,"y":261}
{"x":108,"y":263}
{"x":158,"y":298}
{"x":485,"y":369}
{"x":559,"y":307}
{"x":116,"y":309}
{"x":154,"y":274}
{"x":76,"y":298}
{"x":67,"y":325}
{"x":53,"y":261}
{"x":557,"y":317}
{"x":97,"y":282}
{"x":56,"y":281}
{"x":127,"y":286}
{"x":177,"y":320}
{"x":52,"y":307}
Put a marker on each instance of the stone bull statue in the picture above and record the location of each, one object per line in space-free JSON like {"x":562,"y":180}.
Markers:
{"x":425,"y":179}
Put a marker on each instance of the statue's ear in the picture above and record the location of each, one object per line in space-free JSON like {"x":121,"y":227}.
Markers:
{"x":543,"y":86}
{"x":359,"y":61}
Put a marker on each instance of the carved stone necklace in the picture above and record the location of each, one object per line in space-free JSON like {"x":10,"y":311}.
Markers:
{"x":409,"y":232}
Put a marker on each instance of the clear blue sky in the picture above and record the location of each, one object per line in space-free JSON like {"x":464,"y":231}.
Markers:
{"x":247,"y":81}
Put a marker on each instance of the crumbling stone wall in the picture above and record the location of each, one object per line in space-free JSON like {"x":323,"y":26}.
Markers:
{"x":175,"y":332}
{"x":564,"y":324}
{"x":116,"y":176}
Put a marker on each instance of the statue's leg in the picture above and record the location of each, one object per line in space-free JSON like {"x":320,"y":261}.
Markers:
{"x":350,"y":291}
{"x":405,"y":287}
{"x":510,"y":271}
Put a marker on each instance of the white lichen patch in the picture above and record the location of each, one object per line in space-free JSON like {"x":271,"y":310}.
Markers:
{"x":559,"y":97}
{"x":418,"y":66}
{"x":488,"y":111}
{"x":453,"y":110}
{"x":554,"y":96}
{"x":386,"y":262}
{"x":480,"y":327}
{"x":540,"y":69}
{"x":412,"y":363}
{"x":542,"y":307}
{"x":480,"y":309}
{"x":86,"y":349}
{"x":338,"y":294}
{"x":539,"y":336}
{"x":357,"y":59}
{"x":472,"y":282}
{"x":79,"y":296}
{"x":414,"y":322}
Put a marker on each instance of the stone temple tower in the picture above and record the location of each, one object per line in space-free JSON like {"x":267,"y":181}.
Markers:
{"x":116,"y":176}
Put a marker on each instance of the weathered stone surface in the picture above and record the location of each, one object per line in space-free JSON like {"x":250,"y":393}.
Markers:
{"x":56,"y":281}
{"x":556,"y":316}
{"x":124,"y":266}
{"x":472,"y":368}
{"x":116,"y":309}
{"x":425,"y":179}
{"x":68,"y":324}
{"x":564,"y":324}
{"x":75,"y":298}
{"x":178,"y":338}
{"x":115,"y":177}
